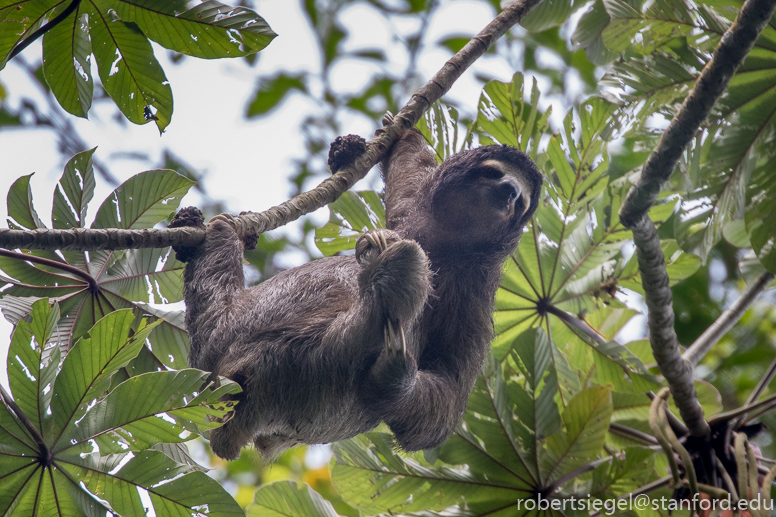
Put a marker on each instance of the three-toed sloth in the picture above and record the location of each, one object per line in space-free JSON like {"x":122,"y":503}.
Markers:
{"x":395,"y":334}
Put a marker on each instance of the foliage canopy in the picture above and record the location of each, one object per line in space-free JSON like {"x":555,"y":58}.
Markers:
{"x":103,"y":401}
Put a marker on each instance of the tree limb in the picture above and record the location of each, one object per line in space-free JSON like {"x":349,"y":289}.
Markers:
{"x":728,"y":56}
{"x":328,"y":191}
{"x":727,"y":319}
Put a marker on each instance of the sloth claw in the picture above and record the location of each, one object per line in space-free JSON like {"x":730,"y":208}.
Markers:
{"x":394,"y":341}
{"x":377,"y":240}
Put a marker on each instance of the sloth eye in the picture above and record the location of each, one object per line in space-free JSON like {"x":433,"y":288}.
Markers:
{"x":489,"y":173}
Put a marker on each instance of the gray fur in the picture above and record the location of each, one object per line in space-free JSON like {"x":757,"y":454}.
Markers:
{"x":308,"y":345}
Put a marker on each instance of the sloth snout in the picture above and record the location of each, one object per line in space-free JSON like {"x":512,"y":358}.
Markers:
{"x":507,"y":191}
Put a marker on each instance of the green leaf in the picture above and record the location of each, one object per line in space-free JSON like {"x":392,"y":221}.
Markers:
{"x":588,"y":35}
{"x":164,"y":406}
{"x":154,"y":473}
{"x":351,"y":215}
{"x":538,"y":411}
{"x":272,"y":91}
{"x":286,"y":499}
{"x":208,"y":30}
{"x":32,"y":366}
{"x":143,"y":200}
{"x":129,"y":71}
{"x":371,"y":476}
{"x":586,"y":419}
{"x":103,"y":281}
{"x":761,"y":216}
{"x":549,"y":13}
{"x":454,"y":43}
{"x":48,"y":473}
{"x":439,"y":127}
{"x":88,"y":367}
{"x":20,"y":208}
{"x":74,"y":191}
{"x":508,"y":119}
{"x":130,"y":277}
{"x":66,"y":66}
{"x":18,"y":20}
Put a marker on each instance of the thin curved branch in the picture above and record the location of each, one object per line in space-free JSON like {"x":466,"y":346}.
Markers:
{"x":727,"y":319}
{"x":728,"y":56}
{"x":662,"y":336}
{"x":329,"y":190}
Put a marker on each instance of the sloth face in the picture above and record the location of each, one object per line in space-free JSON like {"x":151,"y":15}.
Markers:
{"x":484,"y":204}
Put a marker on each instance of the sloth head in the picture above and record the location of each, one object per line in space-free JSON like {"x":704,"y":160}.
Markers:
{"x":481,"y":199}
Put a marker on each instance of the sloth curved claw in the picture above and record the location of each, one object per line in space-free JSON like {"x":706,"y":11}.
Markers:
{"x":377,"y":239}
{"x":391,"y":336}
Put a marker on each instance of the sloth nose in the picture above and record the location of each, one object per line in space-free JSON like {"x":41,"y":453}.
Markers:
{"x":507,"y":190}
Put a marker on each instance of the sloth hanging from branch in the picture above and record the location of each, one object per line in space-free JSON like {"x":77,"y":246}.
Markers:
{"x":396,"y":333}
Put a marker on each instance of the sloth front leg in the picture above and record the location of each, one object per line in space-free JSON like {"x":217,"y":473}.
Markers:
{"x":395,"y":284}
{"x":394,"y":280}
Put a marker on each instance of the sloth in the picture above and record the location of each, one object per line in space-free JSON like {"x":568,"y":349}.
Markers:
{"x":396,"y":333}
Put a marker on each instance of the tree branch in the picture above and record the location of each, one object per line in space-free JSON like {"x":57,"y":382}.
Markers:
{"x":328,"y":191}
{"x":728,"y":56}
{"x":727,"y":319}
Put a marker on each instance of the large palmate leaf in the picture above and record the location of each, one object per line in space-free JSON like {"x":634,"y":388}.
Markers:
{"x":373,"y":477}
{"x":570,"y":261}
{"x":74,"y":445}
{"x":118,"y":33}
{"x":91,"y":285}
{"x":500,"y":454}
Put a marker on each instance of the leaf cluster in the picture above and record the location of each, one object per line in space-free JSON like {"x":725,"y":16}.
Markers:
{"x":116,"y":34}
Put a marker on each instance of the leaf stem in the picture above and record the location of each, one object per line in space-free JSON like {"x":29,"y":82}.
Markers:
{"x":93,"y":284}
{"x":768,"y":401}
{"x":43,"y":30}
{"x":44,"y":453}
{"x":577,"y":323}
{"x":633,"y":434}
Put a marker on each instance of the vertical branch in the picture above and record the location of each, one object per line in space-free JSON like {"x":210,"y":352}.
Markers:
{"x":728,"y":56}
